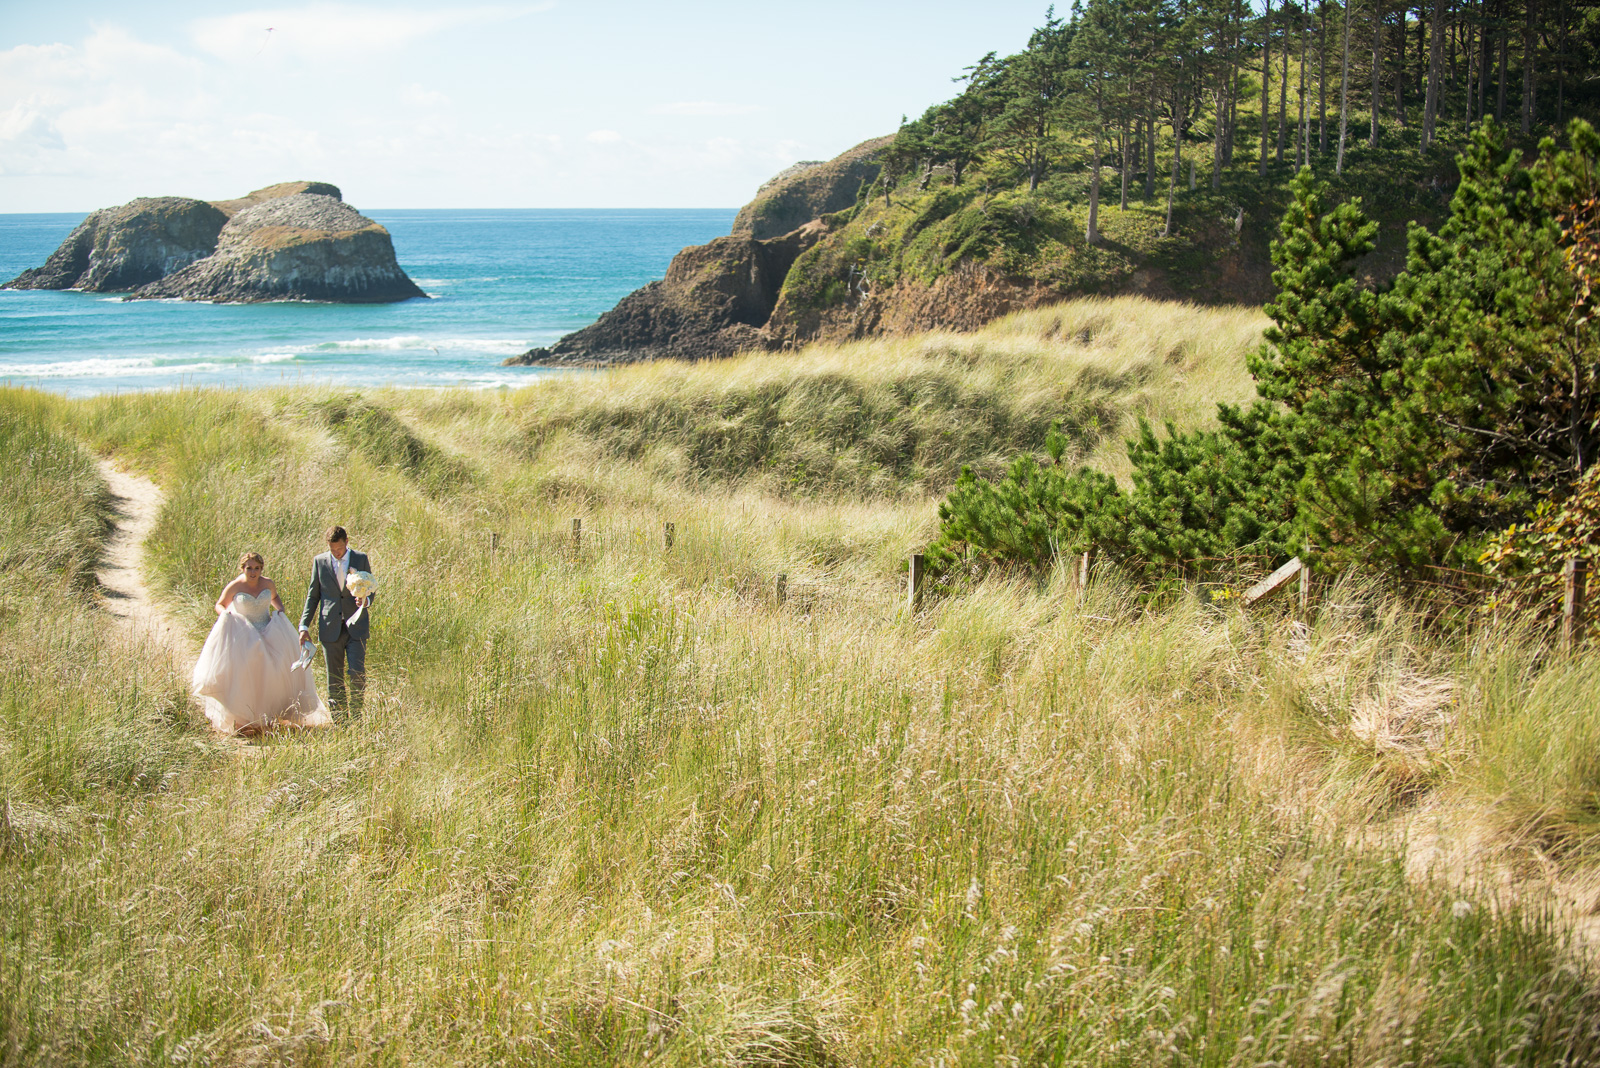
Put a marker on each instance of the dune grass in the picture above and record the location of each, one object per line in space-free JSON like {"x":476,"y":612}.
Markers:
{"x":614,"y":805}
{"x":901,"y":416}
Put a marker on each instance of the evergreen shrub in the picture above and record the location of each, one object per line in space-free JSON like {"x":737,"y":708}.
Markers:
{"x":1401,"y":426}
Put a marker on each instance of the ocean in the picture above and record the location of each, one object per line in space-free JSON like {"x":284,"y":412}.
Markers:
{"x":502,"y":282}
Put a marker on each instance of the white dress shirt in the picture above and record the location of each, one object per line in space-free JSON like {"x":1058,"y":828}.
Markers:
{"x":341,"y":566}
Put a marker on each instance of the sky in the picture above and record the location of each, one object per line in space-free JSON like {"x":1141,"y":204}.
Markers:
{"x":550,"y":104}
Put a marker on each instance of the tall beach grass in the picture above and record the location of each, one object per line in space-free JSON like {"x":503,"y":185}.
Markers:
{"x":613,"y":804}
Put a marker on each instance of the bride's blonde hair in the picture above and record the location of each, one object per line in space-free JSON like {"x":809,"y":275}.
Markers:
{"x":247,"y":557}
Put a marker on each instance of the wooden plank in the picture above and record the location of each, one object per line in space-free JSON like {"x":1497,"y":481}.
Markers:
{"x":1274,"y":582}
{"x":1574,"y":580}
{"x":780,"y":588}
{"x":914,"y":582}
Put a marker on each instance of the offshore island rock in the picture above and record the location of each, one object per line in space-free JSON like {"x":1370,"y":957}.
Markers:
{"x":289,"y":241}
{"x":306,"y":246}
{"x":230,"y":208}
{"x":122,"y":248}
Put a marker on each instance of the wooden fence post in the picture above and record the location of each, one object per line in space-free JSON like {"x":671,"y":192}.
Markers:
{"x":494,"y":545}
{"x":1574,"y":582}
{"x":780,"y":588}
{"x":1305,"y":587}
{"x":914,"y":582}
{"x":667,"y":533}
{"x":577,"y":534}
{"x":1274,"y":582}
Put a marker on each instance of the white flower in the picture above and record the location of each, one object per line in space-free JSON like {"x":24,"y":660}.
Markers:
{"x":361,"y":583}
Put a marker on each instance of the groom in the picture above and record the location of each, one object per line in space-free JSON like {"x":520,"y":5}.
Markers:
{"x":334,"y":604}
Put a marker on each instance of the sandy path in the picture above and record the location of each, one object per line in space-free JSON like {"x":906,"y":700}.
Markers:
{"x":137,"y":501}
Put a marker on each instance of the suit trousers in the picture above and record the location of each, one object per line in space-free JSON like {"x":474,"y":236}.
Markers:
{"x":346,"y":651}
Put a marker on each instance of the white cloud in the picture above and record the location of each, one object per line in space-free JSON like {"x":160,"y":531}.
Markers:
{"x":95,"y":106}
{"x":23,"y":128}
{"x":703,"y":107}
{"x":419,"y":96}
{"x":344,"y":33}
{"x":135,"y":110}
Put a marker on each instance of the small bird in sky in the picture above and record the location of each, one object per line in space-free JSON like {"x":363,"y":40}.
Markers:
{"x":264,"y":41}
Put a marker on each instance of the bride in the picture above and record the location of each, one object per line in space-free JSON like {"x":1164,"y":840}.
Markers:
{"x":246,"y":673}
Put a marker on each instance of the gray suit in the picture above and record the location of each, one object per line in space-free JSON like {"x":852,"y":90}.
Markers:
{"x":342,"y":644}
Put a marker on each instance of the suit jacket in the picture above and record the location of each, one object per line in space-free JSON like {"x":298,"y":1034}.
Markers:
{"x":332,"y":603}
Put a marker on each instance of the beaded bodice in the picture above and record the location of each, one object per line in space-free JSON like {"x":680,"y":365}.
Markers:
{"x":257,"y":609}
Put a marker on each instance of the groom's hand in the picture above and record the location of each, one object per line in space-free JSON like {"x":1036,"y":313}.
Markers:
{"x":305,"y":635}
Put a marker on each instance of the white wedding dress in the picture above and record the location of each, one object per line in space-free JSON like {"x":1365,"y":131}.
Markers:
{"x":246,"y":675}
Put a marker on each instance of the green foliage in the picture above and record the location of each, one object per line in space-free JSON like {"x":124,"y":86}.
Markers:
{"x":1030,"y":516}
{"x":1435,"y":411}
{"x":1398,"y":425}
{"x":1198,"y":499}
{"x":1533,"y":555}
{"x":1203,"y":497}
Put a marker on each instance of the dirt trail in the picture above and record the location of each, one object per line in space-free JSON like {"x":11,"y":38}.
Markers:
{"x":137,"y":501}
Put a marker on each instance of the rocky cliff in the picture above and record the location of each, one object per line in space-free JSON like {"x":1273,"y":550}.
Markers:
{"x":290,"y":241}
{"x":305,"y":246}
{"x":930,"y":257}
{"x":118,"y":249}
{"x":810,"y":190}
{"x":935,"y":253}
{"x":717,"y":298}
{"x":713,"y":302}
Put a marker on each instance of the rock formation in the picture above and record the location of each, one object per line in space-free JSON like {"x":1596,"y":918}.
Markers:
{"x":290,"y":241}
{"x":796,"y":195}
{"x":118,"y":249}
{"x":305,"y":246}
{"x":713,"y":302}
{"x":965,"y":299}
{"x":230,"y":208}
{"x":717,"y":298}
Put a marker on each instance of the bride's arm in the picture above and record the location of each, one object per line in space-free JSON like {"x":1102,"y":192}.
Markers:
{"x":277,"y":602}
{"x":225,"y":598}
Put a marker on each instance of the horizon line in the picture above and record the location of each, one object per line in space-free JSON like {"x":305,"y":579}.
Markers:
{"x":74,"y":211}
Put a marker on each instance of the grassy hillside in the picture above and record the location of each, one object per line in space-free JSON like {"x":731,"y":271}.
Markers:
{"x":617,"y":806}
{"x":1218,"y":250}
{"x":972,"y":186}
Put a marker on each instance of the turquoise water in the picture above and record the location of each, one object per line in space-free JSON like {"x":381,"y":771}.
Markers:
{"x":502,"y":282}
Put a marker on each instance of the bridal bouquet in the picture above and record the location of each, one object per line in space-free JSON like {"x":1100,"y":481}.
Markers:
{"x":361,"y":584}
